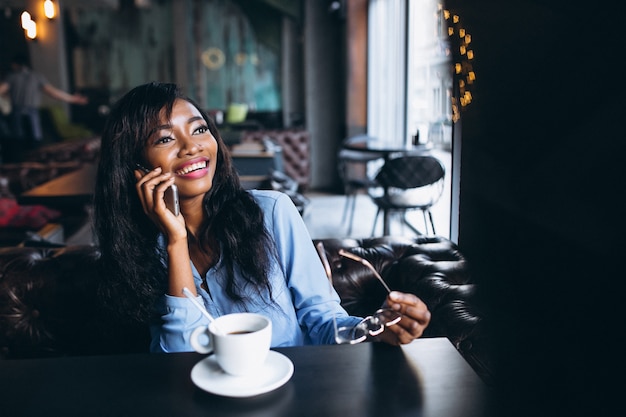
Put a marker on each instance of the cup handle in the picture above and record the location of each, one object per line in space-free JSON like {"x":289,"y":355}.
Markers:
{"x":196,"y":336}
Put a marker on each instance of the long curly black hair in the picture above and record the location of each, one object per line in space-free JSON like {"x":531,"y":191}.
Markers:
{"x":134,"y":274}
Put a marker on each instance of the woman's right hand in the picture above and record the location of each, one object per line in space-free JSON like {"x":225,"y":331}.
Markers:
{"x":151,"y":188}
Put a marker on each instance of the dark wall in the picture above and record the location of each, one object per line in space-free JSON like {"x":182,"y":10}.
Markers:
{"x":324,"y":63}
{"x":12,"y":39}
{"x":541,"y":196}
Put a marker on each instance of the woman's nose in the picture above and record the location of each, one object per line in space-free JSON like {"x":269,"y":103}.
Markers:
{"x":190,"y":146}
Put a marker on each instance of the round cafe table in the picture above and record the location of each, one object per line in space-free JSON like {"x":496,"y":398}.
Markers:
{"x":385,"y":150}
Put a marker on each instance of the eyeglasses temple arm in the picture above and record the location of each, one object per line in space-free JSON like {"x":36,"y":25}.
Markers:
{"x":322,"y":253}
{"x":365,"y":262}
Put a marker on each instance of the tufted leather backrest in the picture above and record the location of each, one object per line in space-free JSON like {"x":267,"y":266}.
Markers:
{"x":47,"y":295}
{"x":295,"y":144}
{"x":429,"y":266}
{"x":47,"y":305}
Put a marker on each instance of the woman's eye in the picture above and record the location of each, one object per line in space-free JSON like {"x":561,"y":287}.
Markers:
{"x":200,"y":130}
{"x":164,"y":139}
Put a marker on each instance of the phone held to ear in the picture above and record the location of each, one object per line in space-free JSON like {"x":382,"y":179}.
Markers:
{"x":170,"y":195}
{"x":171,"y":199}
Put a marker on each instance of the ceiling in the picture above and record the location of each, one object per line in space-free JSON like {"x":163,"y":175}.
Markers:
{"x":289,"y":7}
{"x":7,"y":5}
{"x":18,"y":4}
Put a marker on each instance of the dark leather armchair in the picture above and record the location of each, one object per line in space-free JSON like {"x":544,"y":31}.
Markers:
{"x":48,"y":297}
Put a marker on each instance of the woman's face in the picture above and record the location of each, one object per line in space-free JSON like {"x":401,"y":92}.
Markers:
{"x":184,"y":146}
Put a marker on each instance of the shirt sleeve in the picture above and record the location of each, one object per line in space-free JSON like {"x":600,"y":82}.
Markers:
{"x":178,"y":318}
{"x":314,"y":299}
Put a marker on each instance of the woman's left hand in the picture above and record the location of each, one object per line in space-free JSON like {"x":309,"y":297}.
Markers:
{"x":415,"y":318}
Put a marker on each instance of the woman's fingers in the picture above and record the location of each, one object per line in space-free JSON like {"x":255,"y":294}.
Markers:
{"x":415,"y":317}
{"x":151,"y":188}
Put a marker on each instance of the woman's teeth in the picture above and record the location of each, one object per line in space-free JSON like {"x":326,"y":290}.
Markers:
{"x":192,"y":167}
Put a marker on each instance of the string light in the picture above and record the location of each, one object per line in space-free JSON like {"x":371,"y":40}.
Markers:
{"x":25,"y":17}
{"x":464,"y":73}
{"x":48,"y":9}
{"x":31,"y":29}
{"x":29,"y":25}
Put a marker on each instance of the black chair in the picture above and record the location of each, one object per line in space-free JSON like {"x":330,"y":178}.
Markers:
{"x":353,"y":166}
{"x":408,"y":182}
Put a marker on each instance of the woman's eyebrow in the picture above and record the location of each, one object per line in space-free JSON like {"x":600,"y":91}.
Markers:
{"x":169,"y":125}
{"x":162,"y":127}
{"x":194,"y":118}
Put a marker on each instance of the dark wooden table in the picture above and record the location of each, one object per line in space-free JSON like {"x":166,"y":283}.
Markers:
{"x":426,"y":378}
{"x":74,"y":189}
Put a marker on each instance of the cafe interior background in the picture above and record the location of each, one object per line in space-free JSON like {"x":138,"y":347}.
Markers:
{"x":534,"y":155}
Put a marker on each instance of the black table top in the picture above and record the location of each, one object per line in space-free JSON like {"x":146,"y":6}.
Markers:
{"x":378,"y":146}
{"x":426,"y":378}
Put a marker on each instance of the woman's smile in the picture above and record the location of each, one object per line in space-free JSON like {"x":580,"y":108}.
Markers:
{"x":193,"y":169}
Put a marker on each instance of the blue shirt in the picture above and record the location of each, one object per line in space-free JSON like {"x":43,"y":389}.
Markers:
{"x":304,"y":302}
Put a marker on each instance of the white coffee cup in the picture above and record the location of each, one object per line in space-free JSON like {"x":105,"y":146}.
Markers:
{"x":240,"y":341}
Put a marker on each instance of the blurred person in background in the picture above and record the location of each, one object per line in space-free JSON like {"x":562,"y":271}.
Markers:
{"x":24,"y":87}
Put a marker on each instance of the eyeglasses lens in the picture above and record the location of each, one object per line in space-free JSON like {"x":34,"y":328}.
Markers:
{"x":388,"y":317}
{"x":350,"y":335}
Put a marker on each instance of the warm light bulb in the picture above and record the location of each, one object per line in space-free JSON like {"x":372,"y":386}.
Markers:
{"x":31,"y":29}
{"x":25,"y":19}
{"x":48,"y":9}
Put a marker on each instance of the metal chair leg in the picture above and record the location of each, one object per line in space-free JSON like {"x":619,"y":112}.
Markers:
{"x":352,"y":208}
{"x":345,"y":208}
{"x":432,"y":224}
{"x":425,"y":221}
{"x":375,"y":222}
{"x":413,"y":228}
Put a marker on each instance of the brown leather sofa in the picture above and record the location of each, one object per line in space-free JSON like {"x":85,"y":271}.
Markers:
{"x":48,"y":304}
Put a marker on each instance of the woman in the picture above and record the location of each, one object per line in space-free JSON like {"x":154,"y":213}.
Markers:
{"x":236,"y":250}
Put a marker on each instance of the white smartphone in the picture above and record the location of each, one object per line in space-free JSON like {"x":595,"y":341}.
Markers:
{"x":170,"y":195}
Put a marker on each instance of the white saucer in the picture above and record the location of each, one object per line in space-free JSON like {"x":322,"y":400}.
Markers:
{"x":276,"y":371}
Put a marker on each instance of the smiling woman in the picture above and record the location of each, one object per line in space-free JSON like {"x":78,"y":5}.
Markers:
{"x":236,"y":250}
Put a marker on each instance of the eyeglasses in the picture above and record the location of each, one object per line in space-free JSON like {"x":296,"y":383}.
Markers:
{"x":371,"y":325}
